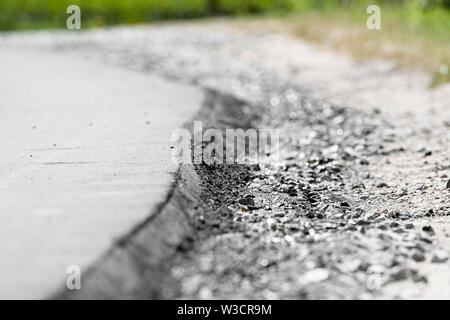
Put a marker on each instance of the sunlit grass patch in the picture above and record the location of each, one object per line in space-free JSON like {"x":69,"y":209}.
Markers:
{"x":36,"y":14}
{"x":411,"y":38}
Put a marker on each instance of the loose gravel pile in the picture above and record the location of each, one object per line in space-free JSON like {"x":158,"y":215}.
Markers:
{"x":300,"y":228}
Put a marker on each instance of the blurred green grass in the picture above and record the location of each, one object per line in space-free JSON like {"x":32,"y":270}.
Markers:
{"x":36,"y":14}
{"x":415,"y":32}
{"x":432,"y":15}
{"x":429,"y":18}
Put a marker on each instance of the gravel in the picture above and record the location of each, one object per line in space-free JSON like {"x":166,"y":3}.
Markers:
{"x":440,"y":256}
{"x":335,"y":216}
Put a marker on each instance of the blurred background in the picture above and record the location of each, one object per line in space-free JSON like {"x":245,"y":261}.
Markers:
{"x":26,"y":14}
{"x":416,"y":32}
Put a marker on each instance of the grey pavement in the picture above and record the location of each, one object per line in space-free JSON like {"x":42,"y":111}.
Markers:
{"x":85,"y":157}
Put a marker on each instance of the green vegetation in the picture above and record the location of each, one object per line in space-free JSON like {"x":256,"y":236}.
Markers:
{"x":31,"y":14}
{"x":415,"y":33}
{"x":430,"y":18}
{"x":430,"y":15}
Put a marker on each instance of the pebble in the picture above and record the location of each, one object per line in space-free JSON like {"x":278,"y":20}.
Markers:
{"x":263,"y":262}
{"x":439,"y":256}
{"x":419,"y":278}
{"x":429,"y":229}
{"x":425,"y":237}
{"x":249,"y":202}
{"x":418,"y":187}
{"x":364,"y":162}
{"x":350,"y":265}
{"x":418,"y":256}
{"x":400,"y":192}
{"x":400,"y":274}
{"x":315,"y":275}
{"x":376,"y":268}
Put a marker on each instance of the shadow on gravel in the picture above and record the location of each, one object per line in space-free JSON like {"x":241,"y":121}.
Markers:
{"x":139,"y":265}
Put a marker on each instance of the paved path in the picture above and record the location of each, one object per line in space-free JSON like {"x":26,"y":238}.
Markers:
{"x":84,"y":158}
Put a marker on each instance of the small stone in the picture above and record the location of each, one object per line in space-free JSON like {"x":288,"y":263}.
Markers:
{"x":439,"y":256}
{"x":349,"y":266}
{"x":315,"y":275}
{"x":418,"y":187}
{"x":429,"y":229}
{"x":292,"y":192}
{"x":400,"y":192}
{"x":382,"y":185}
{"x":400,"y":274}
{"x":279,"y":214}
{"x":419,"y":278}
{"x":364,"y":162}
{"x":425,"y":237}
{"x":418,"y":256}
{"x":409,"y":226}
{"x":376,"y":268}
{"x":249,"y":202}
{"x":263,"y":262}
